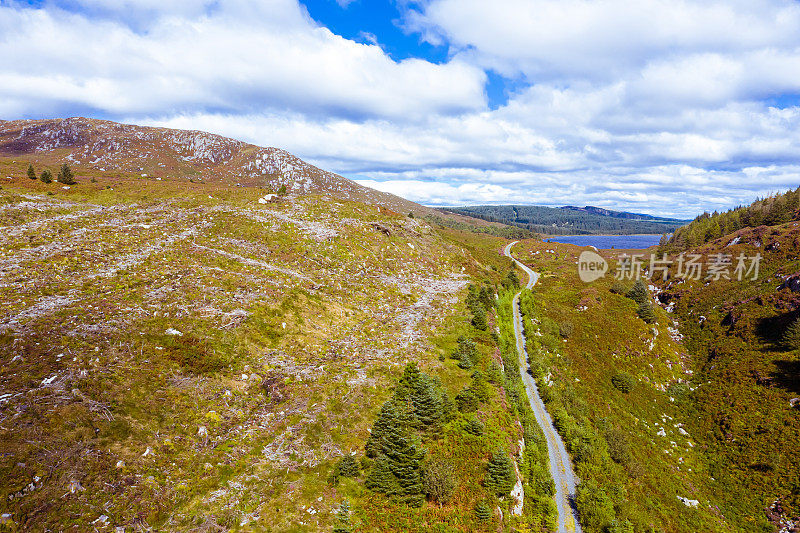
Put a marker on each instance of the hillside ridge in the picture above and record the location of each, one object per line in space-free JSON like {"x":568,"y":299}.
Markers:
{"x":175,"y":154}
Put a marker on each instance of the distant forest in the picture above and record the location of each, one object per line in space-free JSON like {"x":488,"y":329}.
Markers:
{"x":571,"y":220}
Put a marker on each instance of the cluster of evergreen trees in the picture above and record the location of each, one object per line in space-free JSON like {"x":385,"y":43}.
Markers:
{"x":64,"y":176}
{"x":770,"y":211}
{"x":419,"y":405}
{"x":479,"y":301}
{"x":466,"y":353}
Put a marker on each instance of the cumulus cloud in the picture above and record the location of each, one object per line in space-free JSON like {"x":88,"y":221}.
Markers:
{"x":657,"y":106}
{"x":235,"y":57}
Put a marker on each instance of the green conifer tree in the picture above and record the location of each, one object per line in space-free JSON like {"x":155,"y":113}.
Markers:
{"x":46,"y":176}
{"x":449,"y":408}
{"x":486,"y":297}
{"x":479,"y":318}
{"x":466,"y":401}
{"x":482,"y":512}
{"x":428,"y":404}
{"x":646,"y":312}
{"x":343,"y":518}
{"x":387,"y":418}
{"x":347,"y":466}
{"x":500,"y":475}
{"x":639,"y":293}
{"x":791,"y":338}
{"x":380,"y":478}
{"x":31,"y":172}
{"x":65,"y":175}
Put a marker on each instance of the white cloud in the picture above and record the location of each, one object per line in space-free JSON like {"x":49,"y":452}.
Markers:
{"x":656,"y":106}
{"x":238,"y":57}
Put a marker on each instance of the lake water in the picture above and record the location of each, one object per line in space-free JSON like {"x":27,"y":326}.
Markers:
{"x":626,"y":242}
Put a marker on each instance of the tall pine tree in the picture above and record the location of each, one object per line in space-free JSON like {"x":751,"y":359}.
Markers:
{"x":31,"y":172}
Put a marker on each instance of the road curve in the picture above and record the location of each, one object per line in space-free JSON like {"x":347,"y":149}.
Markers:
{"x":560,"y":464}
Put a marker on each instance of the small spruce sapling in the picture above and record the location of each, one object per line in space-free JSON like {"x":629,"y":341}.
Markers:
{"x":65,"y":175}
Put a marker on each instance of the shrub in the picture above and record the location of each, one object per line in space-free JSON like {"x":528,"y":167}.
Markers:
{"x":621,"y":526}
{"x":512,"y":280}
{"x":791,"y":338}
{"x":31,"y":172}
{"x":494,"y":374}
{"x":438,"y":480}
{"x":474,"y":427}
{"x":46,"y":176}
{"x":618,"y":447}
{"x":618,"y":287}
{"x":623,"y":382}
{"x":595,"y":507}
{"x":194,"y":354}
{"x":680,"y":392}
{"x":565,"y":329}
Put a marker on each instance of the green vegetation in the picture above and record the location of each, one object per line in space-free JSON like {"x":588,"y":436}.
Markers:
{"x":500,"y":476}
{"x":65,"y":175}
{"x":612,"y":389}
{"x":570,"y":220}
{"x":46,"y":176}
{"x":791,"y":338}
{"x":496,"y":230}
{"x":623,"y":382}
{"x":771,"y":211}
{"x":31,"y":172}
{"x":343,"y":519}
{"x":439,"y":480}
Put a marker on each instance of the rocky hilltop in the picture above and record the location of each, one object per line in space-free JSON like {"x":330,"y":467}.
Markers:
{"x":105,"y":146}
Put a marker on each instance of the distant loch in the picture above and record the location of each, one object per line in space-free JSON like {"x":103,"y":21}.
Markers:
{"x":607,"y":242}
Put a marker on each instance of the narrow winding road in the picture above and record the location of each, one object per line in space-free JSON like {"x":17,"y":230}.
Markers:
{"x":560,"y":464}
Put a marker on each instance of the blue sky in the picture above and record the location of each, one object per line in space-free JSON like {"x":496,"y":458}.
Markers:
{"x":668,"y":108}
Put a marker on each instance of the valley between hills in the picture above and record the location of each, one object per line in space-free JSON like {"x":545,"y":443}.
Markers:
{"x":205,"y":335}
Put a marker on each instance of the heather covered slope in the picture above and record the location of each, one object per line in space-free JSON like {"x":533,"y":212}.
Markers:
{"x":746,"y":384}
{"x":112,"y":148}
{"x":180,"y":356}
{"x":611,"y":382}
{"x":703,"y":404}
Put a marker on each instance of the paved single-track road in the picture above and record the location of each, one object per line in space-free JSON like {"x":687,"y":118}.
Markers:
{"x":560,"y":464}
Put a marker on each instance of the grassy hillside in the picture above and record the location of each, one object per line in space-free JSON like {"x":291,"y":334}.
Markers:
{"x":614,"y":385}
{"x":746,"y":380}
{"x":183,"y":357}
